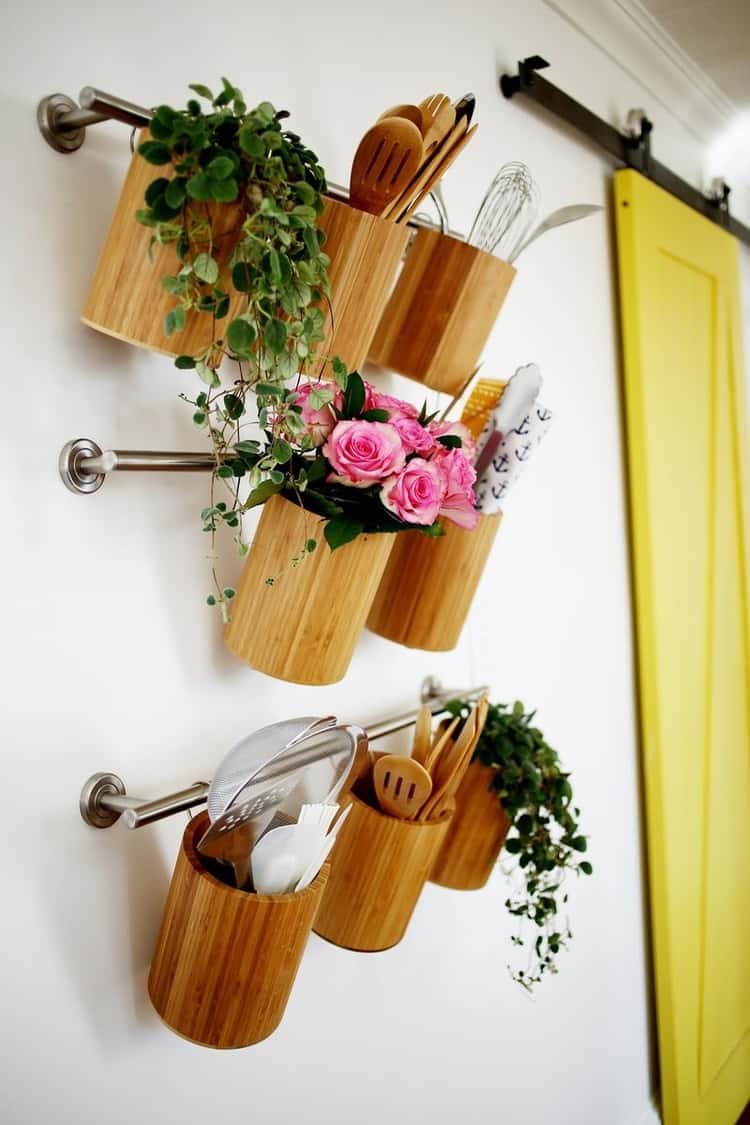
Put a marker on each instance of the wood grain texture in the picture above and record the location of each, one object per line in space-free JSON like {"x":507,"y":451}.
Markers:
{"x":378,"y":868}
{"x":441,"y":311}
{"x":429,"y":584}
{"x":304,"y":627}
{"x":226,"y":960}
{"x":126,"y":298}
{"x":475,"y":835}
{"x":365,"y":252}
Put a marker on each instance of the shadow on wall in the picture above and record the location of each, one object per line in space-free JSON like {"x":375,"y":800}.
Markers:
{"x":106,"y":950}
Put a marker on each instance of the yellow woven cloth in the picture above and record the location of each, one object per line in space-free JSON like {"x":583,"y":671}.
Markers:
{"x":480,"y":404}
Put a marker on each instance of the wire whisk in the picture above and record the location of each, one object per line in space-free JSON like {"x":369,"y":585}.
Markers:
{"x":507,"y":212}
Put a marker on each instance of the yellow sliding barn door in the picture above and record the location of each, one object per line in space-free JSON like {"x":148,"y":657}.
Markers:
{"x":687,"y":455}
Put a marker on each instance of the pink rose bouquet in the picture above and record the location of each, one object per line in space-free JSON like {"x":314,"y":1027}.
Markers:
{"x":365,"y":461}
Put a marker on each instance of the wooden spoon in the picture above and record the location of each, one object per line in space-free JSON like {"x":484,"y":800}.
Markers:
{"x":411,"y":112}
{"x":448,"y":799}
{"x":387,"y":159}
{"x":422,"y":735}
{"x":401,"y":785}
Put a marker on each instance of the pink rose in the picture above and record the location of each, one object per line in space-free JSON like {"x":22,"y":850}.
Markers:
{"x":319,"y":420}
{"x":415,"y":494}
{"x":396,"y":407}
{"x":458,"y":478}
{"x":456,"y":429}
{"x":364,"y":452}
{"x":415,"y":437}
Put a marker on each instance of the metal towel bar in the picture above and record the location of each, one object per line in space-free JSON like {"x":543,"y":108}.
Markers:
{"x":104,"y":799}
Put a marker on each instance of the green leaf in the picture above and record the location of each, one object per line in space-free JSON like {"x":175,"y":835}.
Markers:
{"x":234,"y":406}
{"x":199,"y":418}
{"x":210,"y":600}
{"x":155,"y":152}
{"x":243,"y":277}
{"x":376,"y":415}
{"x":339,"y":368}
{"x":251,"y":143}
{"x":341,"y":530}
{"x":220,"y":168}
{"x":156,"y":189}
{"x":262,"y":493}
{"x":579,"y":843}
{"x":169,"y":324}
{"x":207,"y":374}
{"x":305,"y":193}
{"x":224,"y":471}
{"x":176,"y":192}
{"x":199,"y":187}
{"x":586,"y":867}
{"x":513,"y":845}
{"x":354,"y":396}
{"x":201,"y":91}
{"x":450,"y":441}
{"x":271,"y":390}
{"x":249,"y":447}
{"x":206,"y":268}
{"x":265,"y":111}
{"x":185,"y":362}
{"x":310,"y":547}
{"x":224,"y":191}
{"x":240,"y":336}
{"x":229,"y":593}
{"x":276,"y":335}
{"x":320,"y":397}
{"x":433,"y":530}
{"x":281,"y":451}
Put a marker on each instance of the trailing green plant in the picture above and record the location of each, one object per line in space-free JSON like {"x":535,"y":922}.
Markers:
{"x":544,"y":840}
{"x":233,"y":183}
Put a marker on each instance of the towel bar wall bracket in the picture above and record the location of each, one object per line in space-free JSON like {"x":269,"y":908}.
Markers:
{"x":63,"y":124}
{"x":104,"y":798}
{"x":84,"y":466}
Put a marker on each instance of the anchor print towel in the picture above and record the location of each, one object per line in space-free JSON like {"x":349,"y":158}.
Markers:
{"x":510,"y":458}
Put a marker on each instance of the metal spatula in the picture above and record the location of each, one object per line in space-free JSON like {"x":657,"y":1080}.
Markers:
{"x":559,"y":218}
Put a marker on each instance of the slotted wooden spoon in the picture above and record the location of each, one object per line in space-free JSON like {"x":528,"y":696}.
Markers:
{"x":386,"y":161}
{"x":401,"y":785}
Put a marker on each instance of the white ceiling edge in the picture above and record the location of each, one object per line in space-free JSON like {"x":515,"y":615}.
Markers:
{"x":640,"y":47}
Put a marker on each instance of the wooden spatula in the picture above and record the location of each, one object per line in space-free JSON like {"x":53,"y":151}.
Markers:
{"x":448,"y":798}
{"x":401,"y":785}
{"x":452,"y":766}
{"x":386,"y":161}
{"x":422,"y":735}
{"x":438,"y":118}
{"x":442,"y":739}
{"x":437,"y":166}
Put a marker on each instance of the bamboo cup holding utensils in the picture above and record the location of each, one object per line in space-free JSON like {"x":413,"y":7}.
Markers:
{"x":126,"y":298}
{"x":303,"y":624}
{"x":226,"y":960}
{"x":429,"y":584}
{"x":441,"y":311}
{"x":475,"y":834}
{"x":379,"y":866}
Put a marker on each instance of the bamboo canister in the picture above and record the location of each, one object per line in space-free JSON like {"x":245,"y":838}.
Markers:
{"x":365,"y":252}
{"x":429,"y":585}
{"x":441,"y":311}
{"x":304,"y":626}
{"x":226,"y":960}
{"x":475,"y":835}
{"x":379,"y":865}
{"x":126,"y":298}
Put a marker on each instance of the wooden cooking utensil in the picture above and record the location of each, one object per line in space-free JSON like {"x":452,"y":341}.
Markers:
{"x":411,"y":112}
{"x":423,"y":174}
{"x":401,"y":785}
{"x":438,"y":117}
{"x":422,"y":735}
{"x":442,"y":739}
{"x":454,"y":145}
{"x":455,"y":761}
{"x":386,"y":161}
{"x":449,"y":795}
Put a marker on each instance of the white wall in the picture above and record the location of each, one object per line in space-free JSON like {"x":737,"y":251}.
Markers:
{"x":111,"y":660}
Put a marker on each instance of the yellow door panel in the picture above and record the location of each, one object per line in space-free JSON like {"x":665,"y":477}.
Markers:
{"x":687,"y":463}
